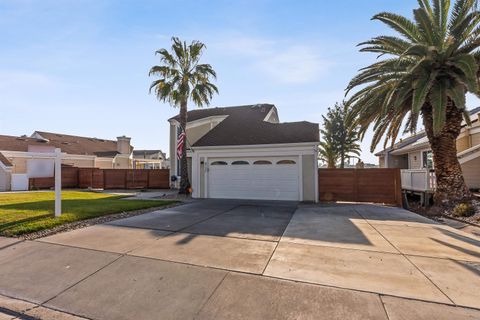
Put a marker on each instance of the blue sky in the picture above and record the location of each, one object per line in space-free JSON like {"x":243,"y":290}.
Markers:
{"x":81,"y":67}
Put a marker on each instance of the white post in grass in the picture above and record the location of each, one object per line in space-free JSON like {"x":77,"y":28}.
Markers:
{"x":58,"y":182}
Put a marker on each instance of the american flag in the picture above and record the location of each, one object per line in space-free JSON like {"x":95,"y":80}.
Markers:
{"x":180,"y":143}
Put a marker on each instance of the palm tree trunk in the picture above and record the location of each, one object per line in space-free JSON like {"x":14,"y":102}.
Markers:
{"x":451,"y":187}
{"x":184,"y":181}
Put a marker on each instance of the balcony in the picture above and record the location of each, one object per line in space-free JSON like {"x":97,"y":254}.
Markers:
{"x":419,"y":180}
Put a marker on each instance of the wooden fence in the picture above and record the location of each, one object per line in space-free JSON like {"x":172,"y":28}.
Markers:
{"x":107,"y":179}
{"x":360,"y":185}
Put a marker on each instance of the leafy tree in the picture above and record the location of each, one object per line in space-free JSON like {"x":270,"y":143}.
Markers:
{"x":427,"y":71}
{"x":182,"y":79}
{"x":339,"y":135}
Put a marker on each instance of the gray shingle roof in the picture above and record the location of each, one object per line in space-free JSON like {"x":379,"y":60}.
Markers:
{"x":244,"y":125}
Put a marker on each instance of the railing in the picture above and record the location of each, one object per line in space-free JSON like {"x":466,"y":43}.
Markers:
{"x":418,"y":180}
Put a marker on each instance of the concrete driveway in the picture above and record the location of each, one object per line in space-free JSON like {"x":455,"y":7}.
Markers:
{"x":248,"y":260}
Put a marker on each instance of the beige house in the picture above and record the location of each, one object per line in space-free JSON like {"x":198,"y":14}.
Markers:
{"x":150,"y":159}
{"x":414,"y":156}
{"x":246,"y":153}
{"x":17,"y":166}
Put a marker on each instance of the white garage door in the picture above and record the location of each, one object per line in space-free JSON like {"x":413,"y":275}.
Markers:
{"x":254,"y":178}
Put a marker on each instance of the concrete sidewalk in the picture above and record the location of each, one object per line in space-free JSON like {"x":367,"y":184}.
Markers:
{"x":251,"y":260}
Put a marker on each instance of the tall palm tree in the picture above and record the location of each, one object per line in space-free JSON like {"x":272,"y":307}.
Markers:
{"x":182,"y":79}
{"x":427,"y":71}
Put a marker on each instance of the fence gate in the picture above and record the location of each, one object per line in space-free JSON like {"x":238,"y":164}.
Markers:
{"x":360,"y":185}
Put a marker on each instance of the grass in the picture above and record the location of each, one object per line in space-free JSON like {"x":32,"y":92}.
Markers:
{"x":22,"y":213}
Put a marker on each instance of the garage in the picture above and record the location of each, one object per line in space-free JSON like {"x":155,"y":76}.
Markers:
{"x":263,"y":178}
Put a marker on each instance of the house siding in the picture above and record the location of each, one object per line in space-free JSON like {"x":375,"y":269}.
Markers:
{"x":79,"y":163}
{"x":309,"y":177}
{"x":104,"y":163}
{"x":463,"y":143}
{"x":195,"y":133}
{"x":415,"y":160}
{"x":475,"y":139}
{"x":4,"y":179}
{"x":471,"y":173}
{"x":19,"y":165}
{"x":381,"y":162}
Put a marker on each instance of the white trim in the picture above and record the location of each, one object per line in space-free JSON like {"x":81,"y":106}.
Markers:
{"x":202,"y":121}
{"x":5,"y":167}
{"x":31,"y":155}
{"x":300,"y":177}
{"x":316,"y":182}
{"x":474,"y":130}
{"x":206,"y":169}
{"x":469,"y":154}
{"x":269,"y":114}
{"x":258,"y":146}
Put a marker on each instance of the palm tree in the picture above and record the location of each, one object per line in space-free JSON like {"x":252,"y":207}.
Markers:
{"x":183,"y":78}
{"x":328,"y":154}
{"x":427,"y":71}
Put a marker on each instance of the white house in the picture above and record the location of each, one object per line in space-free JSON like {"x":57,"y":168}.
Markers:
{"x":246,"y":153}
{"x":414,"y":156}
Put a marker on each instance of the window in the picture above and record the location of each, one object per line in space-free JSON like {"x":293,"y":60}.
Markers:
{"x":239,"y":162}
{"x":219,"y":163}
{"x":286,"y":162}
{"x":427,"y":158}
{"x":262,"y":162}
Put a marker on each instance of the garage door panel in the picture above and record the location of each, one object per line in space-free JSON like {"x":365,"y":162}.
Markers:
{"x":261,"y":181}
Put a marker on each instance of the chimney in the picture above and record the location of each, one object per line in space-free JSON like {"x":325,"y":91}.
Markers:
{"x":123,"y":145}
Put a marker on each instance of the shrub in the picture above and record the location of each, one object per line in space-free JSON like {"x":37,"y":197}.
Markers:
{"x":464,"y":210}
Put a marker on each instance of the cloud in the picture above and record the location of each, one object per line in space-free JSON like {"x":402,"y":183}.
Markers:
{"x":15,"y":79}
{"x":294,"y":65}
{"x":281,"y":60}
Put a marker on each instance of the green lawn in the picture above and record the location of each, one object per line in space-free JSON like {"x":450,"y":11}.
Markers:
{"x":22,"y":213}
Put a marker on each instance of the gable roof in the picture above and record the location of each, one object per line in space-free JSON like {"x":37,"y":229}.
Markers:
{"x":12,"y":143}
{"x":81,"y":145}
{"x":68,"y":143}
{"x":403,"y":142}
{"x":255,"y":111}
{"x":245,"y":125}
{"x":417,"y":136}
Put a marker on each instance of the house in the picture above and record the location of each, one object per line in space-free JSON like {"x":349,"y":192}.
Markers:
{"x":16,"y":167}
{"x":150,"y":159}
{"x":244,"y":152}
{"x":414,"y":156}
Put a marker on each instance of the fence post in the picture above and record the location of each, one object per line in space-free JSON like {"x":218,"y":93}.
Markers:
{"x":355,"y":183}
{"x":398,"y":187}
{"x":148,"y":179}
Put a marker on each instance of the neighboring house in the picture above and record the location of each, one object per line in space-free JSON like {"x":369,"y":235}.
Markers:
{"x":82,"y":152}
{"x":5,"y":173}
{"x":246,"y":153}
{"x":149,"y":159}
{"x":413,"y":154}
